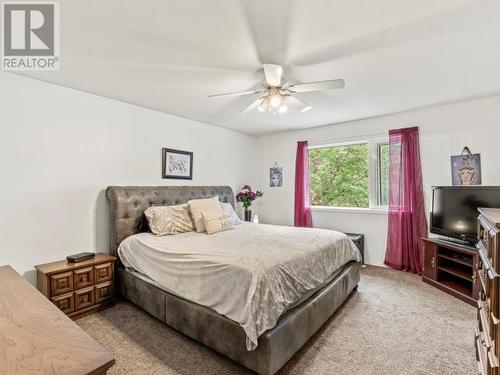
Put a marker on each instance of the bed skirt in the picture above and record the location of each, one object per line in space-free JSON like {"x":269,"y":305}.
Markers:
{"x":205,"y":325}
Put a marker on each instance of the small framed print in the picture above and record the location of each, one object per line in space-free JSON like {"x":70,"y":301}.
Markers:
{"x":466,"y":169}
{"x":276,"y":176}
{"x":177,"y":164}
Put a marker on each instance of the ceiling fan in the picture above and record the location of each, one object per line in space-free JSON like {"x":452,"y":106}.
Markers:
{"x":278,"y":95}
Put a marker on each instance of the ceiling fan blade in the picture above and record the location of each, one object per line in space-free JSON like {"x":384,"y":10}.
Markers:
{"x":252,"y":107}
{"x":240,"y":93}
{"x":317,"y":86}
{"x":273,"y":74}
{"x":297,"y":104}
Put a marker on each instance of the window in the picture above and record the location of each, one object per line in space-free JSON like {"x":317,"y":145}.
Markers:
{"x":383,"y":174}
{"x":354,"y":175}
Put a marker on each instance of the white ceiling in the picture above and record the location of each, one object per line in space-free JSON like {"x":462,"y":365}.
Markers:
{"x":394,"y":55}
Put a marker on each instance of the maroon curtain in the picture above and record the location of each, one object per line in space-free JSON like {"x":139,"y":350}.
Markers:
{"x":303,"y":215}
{"x":407,"y":222}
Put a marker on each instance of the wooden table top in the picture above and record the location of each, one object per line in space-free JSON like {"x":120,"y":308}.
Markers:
{"x":37,"y":338}
{"x":64,"y":265}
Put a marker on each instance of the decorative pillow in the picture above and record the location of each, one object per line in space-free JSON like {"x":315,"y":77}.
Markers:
{"x":165,"y":220}
{"x":216,"y":221}
{"x":197,"y":206}
{"x":229,"y":211}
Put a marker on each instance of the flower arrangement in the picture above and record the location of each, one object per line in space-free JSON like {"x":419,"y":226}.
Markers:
{"x":247,"y":196}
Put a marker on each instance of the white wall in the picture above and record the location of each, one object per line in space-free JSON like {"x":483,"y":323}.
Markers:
{"x":444,"y":131}
{"x":60,"y":148}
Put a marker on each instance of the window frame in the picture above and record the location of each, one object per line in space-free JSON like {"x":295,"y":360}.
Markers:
{"x":378,"y":145}
{"x":374,"y":188}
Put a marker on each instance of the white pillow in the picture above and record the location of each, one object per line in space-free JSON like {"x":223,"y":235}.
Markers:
{"x":197,"y":206}
{"x":229,"y":210}
{"x":216,"y":221}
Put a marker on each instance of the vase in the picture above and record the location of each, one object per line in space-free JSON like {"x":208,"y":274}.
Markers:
{"x":248,"y":214}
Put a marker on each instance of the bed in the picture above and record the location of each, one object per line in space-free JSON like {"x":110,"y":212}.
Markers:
{"x":273,"y":342}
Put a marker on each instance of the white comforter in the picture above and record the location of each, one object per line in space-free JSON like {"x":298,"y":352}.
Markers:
{"x":250,"y":274}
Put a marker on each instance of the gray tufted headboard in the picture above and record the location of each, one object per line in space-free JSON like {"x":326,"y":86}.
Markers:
{"x":128,"y":203}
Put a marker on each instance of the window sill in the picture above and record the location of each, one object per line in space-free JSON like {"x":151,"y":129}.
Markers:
{"x":351,"y":210}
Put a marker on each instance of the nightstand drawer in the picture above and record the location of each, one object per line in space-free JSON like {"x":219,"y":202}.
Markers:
{"x":84,"y":298}
{"x":65,"y":303}
{"x":103,"y":272}
{"x":84,"y":277}
{"x":61,"y":283}
{"x":103,"y":292}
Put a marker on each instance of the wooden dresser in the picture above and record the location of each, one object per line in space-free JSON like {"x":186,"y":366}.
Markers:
{"x":37,"y":338}
{"x":78,"y":288}
{"x":488,"y":330}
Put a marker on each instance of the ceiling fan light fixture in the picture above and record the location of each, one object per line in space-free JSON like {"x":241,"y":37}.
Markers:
{"x":275,"y":100}
{"x":283,"y":108}
{"x":262,"y":105}
{"x":278,"y":95}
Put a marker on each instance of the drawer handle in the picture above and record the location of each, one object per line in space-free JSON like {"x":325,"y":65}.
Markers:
{"x":433,"y":262}
{"x":62,"y":284}
{"x":492,"y":359}
{"x":494,"y":319}
{"x":491,"y":274}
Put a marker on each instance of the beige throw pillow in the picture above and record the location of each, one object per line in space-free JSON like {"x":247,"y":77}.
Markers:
{"x":197,"y":206}
{"x":165,"y":220}
{"x":216,"y":221}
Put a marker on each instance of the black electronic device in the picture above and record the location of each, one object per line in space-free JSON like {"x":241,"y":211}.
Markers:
{"x":454,"y":209}
{"x":80,"y":257}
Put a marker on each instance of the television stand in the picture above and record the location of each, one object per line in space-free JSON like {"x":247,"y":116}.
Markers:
{"x":452,"y":267}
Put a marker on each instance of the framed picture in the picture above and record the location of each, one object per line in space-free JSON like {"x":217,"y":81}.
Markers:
{"x":177,"y":164}
{"x":276,"y":176}
{"x":466,"y":168}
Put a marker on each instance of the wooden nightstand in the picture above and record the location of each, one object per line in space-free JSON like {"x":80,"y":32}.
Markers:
{"x":78,"y":289}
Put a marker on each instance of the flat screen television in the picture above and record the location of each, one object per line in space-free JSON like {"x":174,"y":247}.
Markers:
{"x":454,"y":209}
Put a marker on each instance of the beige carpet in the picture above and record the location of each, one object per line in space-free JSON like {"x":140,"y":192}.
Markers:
{"x":394,"y":324}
